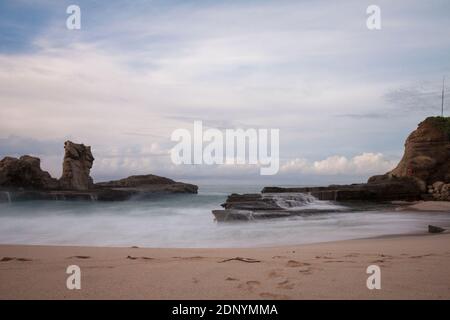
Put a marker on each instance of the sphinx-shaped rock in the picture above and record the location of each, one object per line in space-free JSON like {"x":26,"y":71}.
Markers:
{"x":25,"y":173}
{"x":77,"y":165}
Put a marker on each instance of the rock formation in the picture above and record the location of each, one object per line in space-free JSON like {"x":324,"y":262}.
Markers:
{"x":149,"y":183}
{"x":423,"y":173}
{"x":427,"y":152}
{"x":440,"y":191}
{"x":26,"y":173}
{"x":434,"y":229}
{"x":23,"y":179}
{"x":77,"y":165}
{"x":383,"y":189}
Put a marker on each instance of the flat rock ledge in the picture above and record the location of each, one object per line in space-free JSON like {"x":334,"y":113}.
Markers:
{"x":274,"y":202}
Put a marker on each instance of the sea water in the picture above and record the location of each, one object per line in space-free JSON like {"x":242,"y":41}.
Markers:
{"x":187,"y":221}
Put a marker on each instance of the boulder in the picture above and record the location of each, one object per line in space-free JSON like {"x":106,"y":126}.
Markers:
{"x":77,"y":165}
{"x":441,"y":191}
{"x":437,"y":186}
{"x":434,"y":229}
{"x":25,"y":173}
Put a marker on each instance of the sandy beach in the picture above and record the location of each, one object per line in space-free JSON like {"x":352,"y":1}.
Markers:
{"x":430,"y":206}
{"x":412,"y":267}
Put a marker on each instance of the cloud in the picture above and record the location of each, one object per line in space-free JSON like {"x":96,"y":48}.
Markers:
{"x":372,"y":115}
{"x":136,"y":72}
{"x":15,"y":145}
{"x":422,"y":96}
{"x":364,"y":164}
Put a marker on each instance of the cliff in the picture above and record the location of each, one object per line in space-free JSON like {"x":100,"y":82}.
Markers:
{"x":427,"y":152}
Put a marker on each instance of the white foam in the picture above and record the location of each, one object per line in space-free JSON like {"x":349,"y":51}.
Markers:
{"x":302,"y":201}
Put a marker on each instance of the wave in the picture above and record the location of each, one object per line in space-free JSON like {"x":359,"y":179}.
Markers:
{"x":302,"y":201}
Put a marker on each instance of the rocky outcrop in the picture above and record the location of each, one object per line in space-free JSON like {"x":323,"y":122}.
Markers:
{"x":275,"y":202}
{"x":423,"y":173}
{"x":77,"y":164}
{"x":267,"y":205}
{"x":253,"y":202}
{"x":23,"y":179}
{"x":149,"y":183}
{"x":25,"y":172}
{"x":426,"y":160}
{"x":427,"y":152}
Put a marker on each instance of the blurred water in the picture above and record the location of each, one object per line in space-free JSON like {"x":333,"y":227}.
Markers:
{"x":186,"y":221}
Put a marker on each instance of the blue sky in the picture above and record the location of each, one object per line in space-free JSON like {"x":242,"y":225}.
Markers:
{"x":344,"y":97}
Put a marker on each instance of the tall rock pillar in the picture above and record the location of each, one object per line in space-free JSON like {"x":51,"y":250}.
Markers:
{"x":77,"y":165}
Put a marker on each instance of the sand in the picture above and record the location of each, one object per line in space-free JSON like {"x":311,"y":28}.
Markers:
{"x":439,"y":206}
{"x":412,"y":267}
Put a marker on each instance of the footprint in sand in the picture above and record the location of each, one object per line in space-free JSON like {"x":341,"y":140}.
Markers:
{"x":190,"y":258}
{"x":249,"y":285}
{"x":6,"y":259}
{"x":286,"y":284}
{"x":231,"y":279}
{"x":382,"y":258}
{"x":279,"y":257}
{"x":386,"y":256}
{"x":323,"y":257}
{"x":99,"y":267}
{"x":305,"y":270}
{"x":377,"y":261}
{"x":421,"y":256}
{"x":143,"y":258}
{"x":296,"y":264}
{"x":275,"y":274}
{"x":273,"y":296}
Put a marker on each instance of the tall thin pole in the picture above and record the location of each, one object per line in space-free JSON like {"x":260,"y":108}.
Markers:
{"x":442,"y":105}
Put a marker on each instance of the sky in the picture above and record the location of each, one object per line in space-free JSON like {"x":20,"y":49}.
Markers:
{"x":343,"y":97}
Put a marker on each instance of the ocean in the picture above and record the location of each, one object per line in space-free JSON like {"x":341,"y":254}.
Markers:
{"x":186,"y":221}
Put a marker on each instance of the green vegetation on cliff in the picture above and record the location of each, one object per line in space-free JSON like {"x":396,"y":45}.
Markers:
{"x":442,"y":123}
